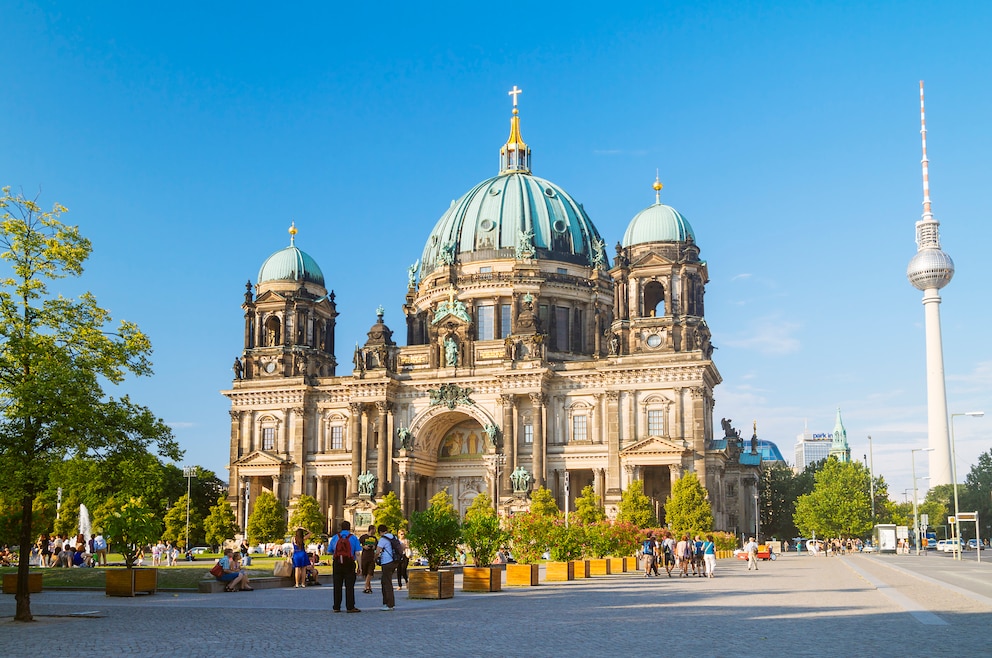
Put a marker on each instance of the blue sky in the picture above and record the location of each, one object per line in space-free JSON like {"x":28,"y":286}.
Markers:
{"x":185,"y":138}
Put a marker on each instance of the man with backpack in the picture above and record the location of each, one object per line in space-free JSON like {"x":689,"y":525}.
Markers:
{"x":344,"y":547}
{"x":649,"y":550}
{"x":387,"y":552}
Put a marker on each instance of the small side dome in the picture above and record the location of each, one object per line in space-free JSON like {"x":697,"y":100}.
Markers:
{"x":658,"y":223}
{"x":291,"y":264}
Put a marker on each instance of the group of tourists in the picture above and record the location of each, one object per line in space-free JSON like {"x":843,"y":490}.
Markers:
{"x":63,"y":551}
{"x":353,"y":556}
{"x":687,"y":556}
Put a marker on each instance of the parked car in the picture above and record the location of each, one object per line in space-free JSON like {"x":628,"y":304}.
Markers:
{"x":973,"y":544}
{"x":948,"y":545}
{"x":867,"y":548}
{"x":199,"y":550}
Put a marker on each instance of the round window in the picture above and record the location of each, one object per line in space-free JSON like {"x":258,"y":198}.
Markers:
{"x":654,"y":340}
{"x":494,"y":191}
{"x":487,"y":225}
{"x":548,"y":192}
{"x":559,"y":226}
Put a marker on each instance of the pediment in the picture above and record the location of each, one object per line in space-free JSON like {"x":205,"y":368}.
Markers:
{"x":650,"y":260}
{"x":654,"y":446}
{"x":269,"y":296}
{"x":260,"y":458}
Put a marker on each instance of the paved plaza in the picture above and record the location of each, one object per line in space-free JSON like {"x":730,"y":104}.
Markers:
{"x":794,"y":606}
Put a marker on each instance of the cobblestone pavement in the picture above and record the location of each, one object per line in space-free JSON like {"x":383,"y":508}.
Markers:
{"x":795,"y":606}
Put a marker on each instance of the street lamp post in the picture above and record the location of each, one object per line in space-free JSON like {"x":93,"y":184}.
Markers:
{"x":916,"y":521}
{"x":495,"y":463}
{"x":755,"y":517}
{"x":954,"y":479}
{"x":189,"y":472}
{"x":871,"y":479}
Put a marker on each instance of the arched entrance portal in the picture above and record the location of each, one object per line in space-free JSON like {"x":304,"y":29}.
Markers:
{"x":450,"y":448}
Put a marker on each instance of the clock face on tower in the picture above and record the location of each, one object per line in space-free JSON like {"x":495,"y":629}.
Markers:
{"x":270,"y":367}
{"x":654,"y":340}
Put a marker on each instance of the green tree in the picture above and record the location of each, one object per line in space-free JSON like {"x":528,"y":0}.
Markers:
{"x":840,"y":503}
{"x":307,"y":515}
{"x":978,"y":494}
{"x":636,"y":507}
{"x":587,"y":507}
{"x":780,"y":488}
{"x":481,"y":530}
{"x":56,"y":354}
{"x":687,"y":510}
{"x":175,"y":523}
{"x":389,"y":513}
{"x":220,"y":524}
{"x":267,"y":521}
{"x":435,"y":532}
{"x":542,"y":502}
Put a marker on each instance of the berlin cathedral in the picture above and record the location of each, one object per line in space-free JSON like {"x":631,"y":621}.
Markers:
{"x":532,"y":358}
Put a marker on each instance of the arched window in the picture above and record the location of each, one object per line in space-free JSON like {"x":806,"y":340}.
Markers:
{"x":654,"y":299}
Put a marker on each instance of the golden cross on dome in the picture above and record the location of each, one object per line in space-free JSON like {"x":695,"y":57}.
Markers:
{"x":292,"y":233}
{"x":515,"y":92}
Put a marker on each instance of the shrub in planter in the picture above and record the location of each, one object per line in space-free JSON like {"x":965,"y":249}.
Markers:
{"x":436,"y":532}
{"x":482,"y":532}
{"x":130,"y":527}
{"x":530,"y":534}
{"x":566,"y":542}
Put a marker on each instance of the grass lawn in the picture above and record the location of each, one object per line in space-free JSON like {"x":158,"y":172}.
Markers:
{"x":184,"y":576}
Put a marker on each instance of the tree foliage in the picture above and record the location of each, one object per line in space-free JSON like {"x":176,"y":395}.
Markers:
{"x":636,"y":507}
{"x":840,"y":503}
{"x":587,"y":507}
{"x":267,"y":521}
{"x":436,"y":532}
{"x":978,"y":495}
{"x":175,"y":523}
{"x":687,"y":510}
{"x":482,"y":531}
{"x":307,"y":515}
{"x":542,"y":502}
{"x":56,"y":354}
{"x":530,"y":533}
{"x":130,"y":526}
{"x":220,"y":524}
{"x":389,"y":513}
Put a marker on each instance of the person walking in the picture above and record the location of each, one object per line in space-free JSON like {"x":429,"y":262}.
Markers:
{"x":404,"y":561}
{"x":709,"y":555}
{"x":344,"y":547}
{"x":366,"y":561}
{"x":751,"y":548}
{"x":668,"y":551}
{"x":649,"y":550}
{"x":388,"y":554}
{"x":300,"y":558}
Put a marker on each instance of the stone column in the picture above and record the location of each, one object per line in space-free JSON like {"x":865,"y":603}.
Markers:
{"x":299,"y":451}
{"x":509,"y":442}
{"x":597,"y":414}
{"x":679,"y":430}
{"x":698,"y":439}
{"x":613,"y":443}
{"x":382,"y":450}
{"x":540,"y":477}
{"x":235,"y":447}
{"x":277,"y":489}
{"x":599,"y":484}
{"x":242,"y":514}
{"x":356,"y":446}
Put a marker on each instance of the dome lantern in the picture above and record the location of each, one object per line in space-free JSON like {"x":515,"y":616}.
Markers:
{"x":514,"y":156}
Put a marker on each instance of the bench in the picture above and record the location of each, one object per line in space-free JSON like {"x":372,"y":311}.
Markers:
{"x":213,"y":586}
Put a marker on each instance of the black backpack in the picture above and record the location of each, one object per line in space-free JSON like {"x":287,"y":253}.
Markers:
{"x":396,"y":548}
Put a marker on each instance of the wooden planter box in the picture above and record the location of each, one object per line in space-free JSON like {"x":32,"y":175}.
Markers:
{"x":599,"y":566}
{"x":10,"y":582}
{"x":559,"y":571}
{"x":630,"y":564}
{"x":482,"y":579}
{"x":426,"y":584}
{"x":581,"y":568}
{"x":128,"y":582}
{"x":617,"y":565}
{"x":522,"y":575}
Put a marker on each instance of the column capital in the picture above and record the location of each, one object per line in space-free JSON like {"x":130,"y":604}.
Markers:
{"x":356,"y":407}
{"x":538,"y":398}
{"x":382,"y":406}
{"x":613,"y":396}
{"x":508,"y":400}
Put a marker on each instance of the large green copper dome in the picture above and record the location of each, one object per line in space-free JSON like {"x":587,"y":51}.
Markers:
{"x":506,"y":215}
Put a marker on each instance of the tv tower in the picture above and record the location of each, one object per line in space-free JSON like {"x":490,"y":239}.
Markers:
{"x":930,"y":270}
